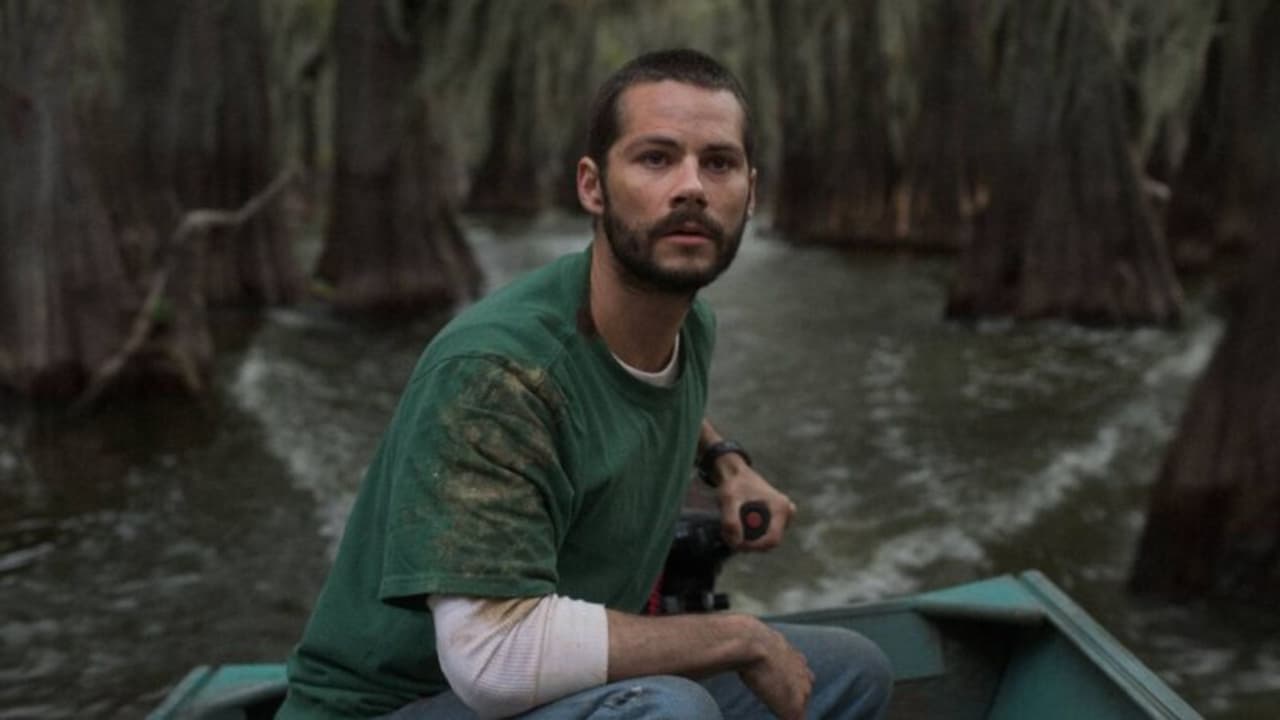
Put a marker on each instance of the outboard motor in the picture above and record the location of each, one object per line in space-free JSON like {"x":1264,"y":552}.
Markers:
{"x":697,"y":555}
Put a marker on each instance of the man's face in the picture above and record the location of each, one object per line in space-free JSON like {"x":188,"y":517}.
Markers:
{"x":678,"y":188}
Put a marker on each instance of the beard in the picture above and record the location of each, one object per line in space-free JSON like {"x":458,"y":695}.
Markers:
{"x":634,"y":248}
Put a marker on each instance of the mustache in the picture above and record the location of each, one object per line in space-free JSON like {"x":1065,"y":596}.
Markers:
{"x":677,"y":219}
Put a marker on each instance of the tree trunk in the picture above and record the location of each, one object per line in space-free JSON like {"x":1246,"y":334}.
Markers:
{"x":1196,"y":193}
{"x":1213,"y":525}
{"x":575,"y":75}
{"x":577,"y":111}
{"x":1214,"y":520}
{"x":1229,"y":158}
{"x":393,"y":239}
{"x":66,"y":292}
{"x":539,"y":98}
{"x":943,"y":188}
{"x":196,"y":84}
{"x":1068,"y":232}
{"x":836,"y":166}
{"x":510,"y":179}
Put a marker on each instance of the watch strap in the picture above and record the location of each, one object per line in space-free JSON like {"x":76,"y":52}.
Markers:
{"x":713,"y":452}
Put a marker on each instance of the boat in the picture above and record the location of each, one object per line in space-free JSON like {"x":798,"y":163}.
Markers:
{"x":1012,"y":646}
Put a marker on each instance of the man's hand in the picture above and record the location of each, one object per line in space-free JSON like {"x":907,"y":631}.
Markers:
{"x":737,"y":483}
{"x":740,"y":483}
{"x":781,"y":678}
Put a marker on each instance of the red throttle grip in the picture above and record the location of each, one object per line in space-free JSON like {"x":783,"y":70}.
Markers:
{"x":755,"y":519}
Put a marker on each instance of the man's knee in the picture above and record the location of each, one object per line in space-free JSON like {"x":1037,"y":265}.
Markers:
{"x":661,"y":696}
{"x":875,"y":671}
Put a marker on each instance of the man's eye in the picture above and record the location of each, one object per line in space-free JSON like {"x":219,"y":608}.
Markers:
{"x":719,"y":163}
{"x":654,"y":158}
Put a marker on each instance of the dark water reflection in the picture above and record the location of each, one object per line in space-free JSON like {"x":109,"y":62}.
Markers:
{"x":154,"y":537}
{"x":133,"y":544}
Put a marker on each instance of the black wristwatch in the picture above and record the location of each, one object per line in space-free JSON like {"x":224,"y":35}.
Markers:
{"x":707,"y":460}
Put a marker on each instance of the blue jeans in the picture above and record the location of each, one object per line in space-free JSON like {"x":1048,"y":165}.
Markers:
{"x":853,"y":680}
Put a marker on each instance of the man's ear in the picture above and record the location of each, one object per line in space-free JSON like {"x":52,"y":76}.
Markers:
{"x":590,"y":189}
{"x":751,"y":194}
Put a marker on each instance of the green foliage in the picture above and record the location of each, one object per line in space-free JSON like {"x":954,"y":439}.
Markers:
{"x":164,"y":313}
{"x":322,"y":289}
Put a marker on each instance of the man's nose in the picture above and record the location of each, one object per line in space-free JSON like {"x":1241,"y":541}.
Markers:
{"x":689,"y":189}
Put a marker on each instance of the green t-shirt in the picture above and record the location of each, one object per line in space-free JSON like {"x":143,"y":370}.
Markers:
{"x":522,"y":460}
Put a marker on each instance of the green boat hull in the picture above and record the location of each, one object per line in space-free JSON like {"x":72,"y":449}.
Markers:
{"x":1008,"y":647}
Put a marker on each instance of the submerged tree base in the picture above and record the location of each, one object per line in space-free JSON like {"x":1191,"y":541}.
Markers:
{"x":1214,"y":522}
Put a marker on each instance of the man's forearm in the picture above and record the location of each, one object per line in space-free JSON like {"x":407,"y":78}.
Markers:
{"x":727,"y":464}
{"x":693,"y":646}
{"x":707,"y":435}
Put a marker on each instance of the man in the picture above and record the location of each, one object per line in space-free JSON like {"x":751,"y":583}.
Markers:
{"x":520,"y":507}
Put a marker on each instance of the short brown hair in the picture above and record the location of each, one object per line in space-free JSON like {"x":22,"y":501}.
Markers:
{"x":681,"y":65}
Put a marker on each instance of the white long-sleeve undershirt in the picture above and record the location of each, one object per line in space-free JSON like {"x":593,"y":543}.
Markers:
{"x":504,"y":656}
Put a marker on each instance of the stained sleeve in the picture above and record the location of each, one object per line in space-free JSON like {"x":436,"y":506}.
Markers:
{"x":478,"y":498}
